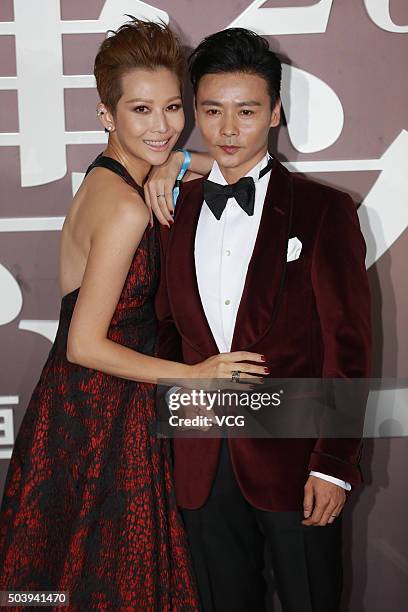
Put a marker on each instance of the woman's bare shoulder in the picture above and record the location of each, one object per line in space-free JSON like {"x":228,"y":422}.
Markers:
{"x":109,"y":197}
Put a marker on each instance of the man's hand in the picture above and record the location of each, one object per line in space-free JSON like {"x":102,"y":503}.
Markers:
{"x":323,"y":501}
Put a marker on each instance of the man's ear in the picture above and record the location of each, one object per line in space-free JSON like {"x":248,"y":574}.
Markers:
{"x":105,"y":117}
{"x":276,"y":114}
{"x":195,"y":110}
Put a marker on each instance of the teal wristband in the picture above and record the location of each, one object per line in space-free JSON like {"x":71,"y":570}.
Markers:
{"x":183,"y":170}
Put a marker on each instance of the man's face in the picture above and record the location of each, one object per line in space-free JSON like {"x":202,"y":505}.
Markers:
{"x":233,"y":113}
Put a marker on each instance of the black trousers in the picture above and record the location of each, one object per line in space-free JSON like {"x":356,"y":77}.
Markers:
{"x":228,"y":536}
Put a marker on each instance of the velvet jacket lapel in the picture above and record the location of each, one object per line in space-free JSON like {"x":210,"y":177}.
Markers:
{"x":183,"y":293}
{"x":266,"y":270}
{"x":265,"y":276}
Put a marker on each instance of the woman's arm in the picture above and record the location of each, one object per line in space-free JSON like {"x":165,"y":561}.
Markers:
{"x":120,"y":226}
{"x":162,"y":179}
{"x":118,"y":232}
{"x":201,"y":164}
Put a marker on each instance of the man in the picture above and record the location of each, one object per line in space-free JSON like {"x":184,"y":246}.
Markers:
{"x":272,"y":264}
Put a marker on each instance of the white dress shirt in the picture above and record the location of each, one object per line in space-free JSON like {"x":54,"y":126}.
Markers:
{"x":223,"y":249}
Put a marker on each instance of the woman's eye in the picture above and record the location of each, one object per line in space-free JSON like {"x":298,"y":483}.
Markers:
{"x":140,"y":109}
{"x":213,"y":111}
{"x":174,"y":107}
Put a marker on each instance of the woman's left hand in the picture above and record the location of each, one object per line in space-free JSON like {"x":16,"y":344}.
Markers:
{"x":158,"y":188}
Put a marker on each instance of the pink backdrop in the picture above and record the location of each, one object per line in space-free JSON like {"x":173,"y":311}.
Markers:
{"x":345,"y":97}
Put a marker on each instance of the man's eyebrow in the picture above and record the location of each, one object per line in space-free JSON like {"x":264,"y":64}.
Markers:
{"x":210,"y":103}
{"x":249,"y":103}
{"x":244,"y":103}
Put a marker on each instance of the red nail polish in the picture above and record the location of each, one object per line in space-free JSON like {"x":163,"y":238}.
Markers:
{"x":263,"y":358}
{"x":267,"y":371}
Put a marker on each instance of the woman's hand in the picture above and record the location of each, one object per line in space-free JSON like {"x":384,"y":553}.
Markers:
{"x":158,"y":188}
{"x":222,"y":366}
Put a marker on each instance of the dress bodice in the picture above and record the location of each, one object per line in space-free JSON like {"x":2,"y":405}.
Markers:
{"x":134,"y":322}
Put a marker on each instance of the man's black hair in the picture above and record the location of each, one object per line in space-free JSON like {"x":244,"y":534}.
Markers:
{"x":236,"y":50}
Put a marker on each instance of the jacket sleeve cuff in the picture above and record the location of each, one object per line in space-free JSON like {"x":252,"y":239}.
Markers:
{"x":338,"y":468}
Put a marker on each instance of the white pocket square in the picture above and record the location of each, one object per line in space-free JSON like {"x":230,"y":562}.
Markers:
{"x":294,"y":249}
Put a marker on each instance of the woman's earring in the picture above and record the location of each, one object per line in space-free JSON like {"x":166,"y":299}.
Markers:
{"x":109,"y":128}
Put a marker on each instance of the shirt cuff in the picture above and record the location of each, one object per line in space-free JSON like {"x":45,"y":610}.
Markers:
{"x":341,"y":483}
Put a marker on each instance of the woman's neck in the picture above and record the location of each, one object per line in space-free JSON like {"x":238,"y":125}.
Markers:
{"x":137,"y":168}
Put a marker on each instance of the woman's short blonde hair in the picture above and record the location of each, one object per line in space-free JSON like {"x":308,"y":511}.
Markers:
{"x":136,"y":44}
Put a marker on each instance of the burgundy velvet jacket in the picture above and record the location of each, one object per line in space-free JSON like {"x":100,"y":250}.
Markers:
{"x":311,"y":318}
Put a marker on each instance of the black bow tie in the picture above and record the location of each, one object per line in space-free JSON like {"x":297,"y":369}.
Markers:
{"x":243,"y":191}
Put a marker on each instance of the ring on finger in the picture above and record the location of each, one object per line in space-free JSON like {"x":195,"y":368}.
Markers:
{"x":235,"y":376}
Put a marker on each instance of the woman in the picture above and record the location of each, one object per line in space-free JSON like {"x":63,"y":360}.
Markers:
{"x":89,"y":505}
